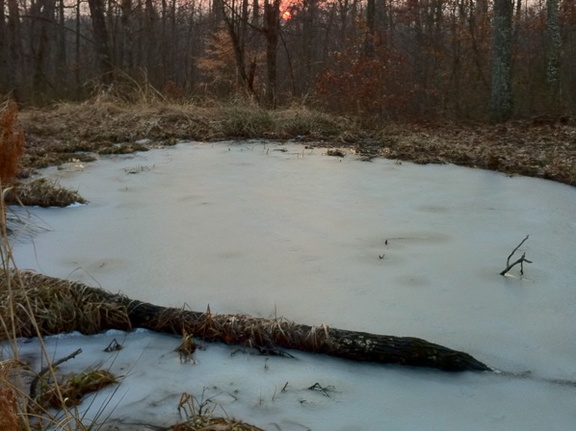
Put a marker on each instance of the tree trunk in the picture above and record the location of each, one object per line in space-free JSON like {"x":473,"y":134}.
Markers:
{"x":271,"y":31}
{"x":4,"y":64}
{"x":15,"y":48}
{"x":111,"y":311}
{"x":41,"y":83}
{"x":370,"y":28}
{"x":501,"y":108}
{"x":101,"y":40}
{"x":62,"y":81}
{"x":553,"y":54}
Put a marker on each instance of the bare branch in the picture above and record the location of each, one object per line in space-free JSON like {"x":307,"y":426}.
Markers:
{"x":519,"y":261}
{"x":53,"y":365}
{"x":514,"y":251}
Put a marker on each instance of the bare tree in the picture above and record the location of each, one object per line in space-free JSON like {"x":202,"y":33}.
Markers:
{"x":392,"y":58}
{"x":236,"y":18}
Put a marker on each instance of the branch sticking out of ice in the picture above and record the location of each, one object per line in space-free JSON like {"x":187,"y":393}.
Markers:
{"x":520,"y":261}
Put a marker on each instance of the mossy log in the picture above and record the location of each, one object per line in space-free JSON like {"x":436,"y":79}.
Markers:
{"x":62,"y":306}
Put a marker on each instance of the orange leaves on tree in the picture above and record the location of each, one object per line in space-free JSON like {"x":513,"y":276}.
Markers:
{"x":11,"y":141}
{"x":218,"y":63}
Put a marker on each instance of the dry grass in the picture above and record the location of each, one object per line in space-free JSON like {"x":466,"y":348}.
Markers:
{"x":209,"y":423}
{"x":521,"y":148}
{"x":42,"y":192}
{"x":72,"y":389}
{"x":302,"y":122}
{"x":108,"y":124}
{"x":54,"y":306}
{"x":186,"y":348}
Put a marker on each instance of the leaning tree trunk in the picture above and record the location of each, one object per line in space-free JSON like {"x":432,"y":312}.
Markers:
{"x":63,"y":305}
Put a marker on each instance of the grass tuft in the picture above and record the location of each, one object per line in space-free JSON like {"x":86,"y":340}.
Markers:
{"x":44,"y":193}
{"x":304,"y":122}
{"x":241,"y":122}
{"x":206,"y":423}
{"x":72,"y":389}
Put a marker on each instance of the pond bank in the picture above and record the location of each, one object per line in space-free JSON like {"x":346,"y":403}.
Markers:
{"x":540,"y":148}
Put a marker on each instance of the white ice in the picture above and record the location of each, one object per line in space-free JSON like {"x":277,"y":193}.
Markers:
{"x":377,"y":246}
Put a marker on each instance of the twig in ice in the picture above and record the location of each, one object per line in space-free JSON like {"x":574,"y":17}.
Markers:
{"x":520,"y":261}
{"x":52,"y":366}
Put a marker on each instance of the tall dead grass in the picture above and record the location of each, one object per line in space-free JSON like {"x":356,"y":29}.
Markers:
{"x":11,"y":141}
{"x":20,"y":409}
{"x":12,"y":404}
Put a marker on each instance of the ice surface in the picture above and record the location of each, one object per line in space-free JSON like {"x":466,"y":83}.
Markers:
{"x":249,"y":229}
{"x":273,"y":392}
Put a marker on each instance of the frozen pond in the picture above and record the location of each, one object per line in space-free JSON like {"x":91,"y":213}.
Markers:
{"x":382,"y":247}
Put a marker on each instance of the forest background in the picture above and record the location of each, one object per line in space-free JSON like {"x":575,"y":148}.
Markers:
{"x":403,"y":60}
{"x":477,"y":83}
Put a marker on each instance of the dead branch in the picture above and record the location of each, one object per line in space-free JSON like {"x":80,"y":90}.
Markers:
{"x":520,"y":261}
{"x":514,"y":251}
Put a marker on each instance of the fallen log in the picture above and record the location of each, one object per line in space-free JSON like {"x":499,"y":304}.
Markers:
{"x":62,"y":306}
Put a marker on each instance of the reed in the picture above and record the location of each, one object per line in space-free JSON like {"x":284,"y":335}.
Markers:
{"x":30,"y":399}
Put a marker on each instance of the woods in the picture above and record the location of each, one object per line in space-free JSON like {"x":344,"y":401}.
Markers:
{"x":379,"y":59}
